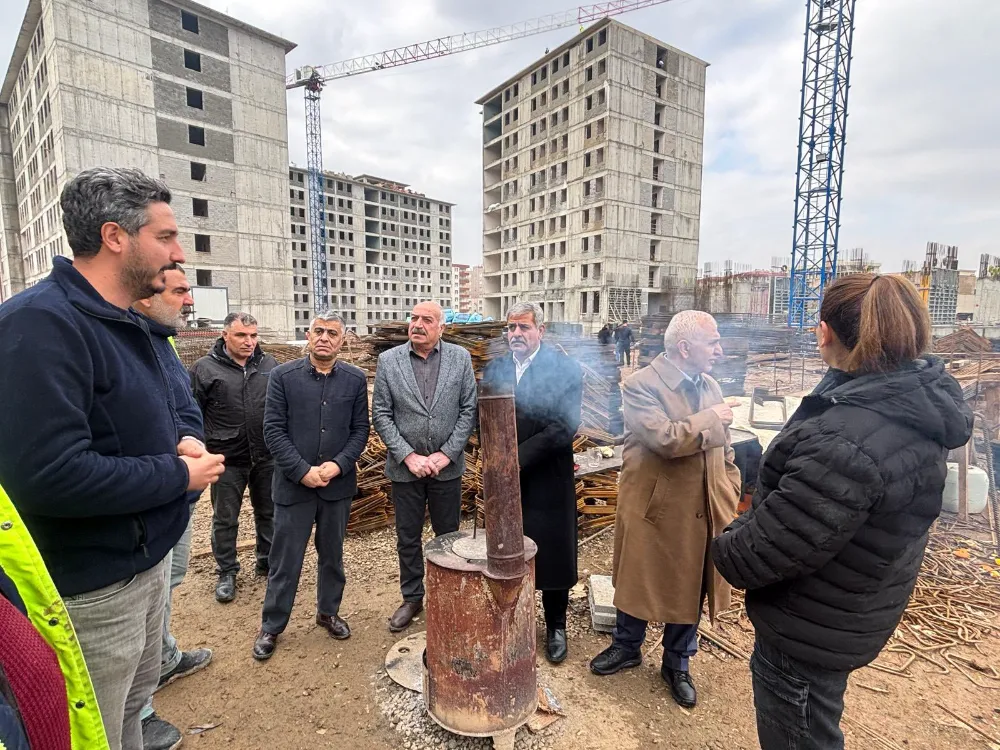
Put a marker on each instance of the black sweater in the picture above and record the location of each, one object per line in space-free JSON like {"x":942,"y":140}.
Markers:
{"x":830,"y":551}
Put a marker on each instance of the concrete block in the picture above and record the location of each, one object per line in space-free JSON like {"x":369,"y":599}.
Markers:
{"x":601,"y":597}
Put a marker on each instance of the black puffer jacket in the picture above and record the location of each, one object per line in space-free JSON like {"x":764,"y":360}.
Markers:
{"x":232,"y":400}
{"x":830,"y":551}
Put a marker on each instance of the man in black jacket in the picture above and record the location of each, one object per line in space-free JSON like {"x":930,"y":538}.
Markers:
{"x":164,"y":313}
{"x":89,"y":447}
{"x":548,"y":391}
{"x":230,"y":385}
{"x":316,"y":426}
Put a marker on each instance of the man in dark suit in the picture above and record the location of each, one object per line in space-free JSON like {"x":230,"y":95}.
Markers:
{"x":548,"y":391}
{"x":316,"y":427}
{"x":424,"y":409}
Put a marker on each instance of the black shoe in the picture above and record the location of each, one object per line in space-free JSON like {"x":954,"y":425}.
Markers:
{"x":613,"y":659}
{"x":191,"y":662}
{"x":335,"y":626}
{"x":158,"y":734}
{"x":404,"y":615}
{"x":262,"y":570}
{"x":555,"y":645}
{"x":681,"y":687}
{"x":263,"y":647}
{"x":225,"y":589}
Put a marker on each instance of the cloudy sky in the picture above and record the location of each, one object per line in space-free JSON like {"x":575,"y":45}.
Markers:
{"x":923,"y":156}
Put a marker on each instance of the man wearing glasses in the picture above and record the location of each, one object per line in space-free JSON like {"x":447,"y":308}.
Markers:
{"x":316,"y":427}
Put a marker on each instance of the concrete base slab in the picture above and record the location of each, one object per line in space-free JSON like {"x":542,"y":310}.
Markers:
{"x":601,"y":597}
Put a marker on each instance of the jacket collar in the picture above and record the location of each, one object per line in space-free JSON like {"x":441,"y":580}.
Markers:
{"x":81,"y":294}
{"x":669,"y":373}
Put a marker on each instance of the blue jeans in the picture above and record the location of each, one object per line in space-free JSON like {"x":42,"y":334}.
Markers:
{"x":798,"y":705}
{"x":680,"y":642}
{"x":170,"y":655}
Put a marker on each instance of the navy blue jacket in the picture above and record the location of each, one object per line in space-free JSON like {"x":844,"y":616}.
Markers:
{"x":310,"y":419}
{"x":88,"y":433}
{"x":189,"y":421}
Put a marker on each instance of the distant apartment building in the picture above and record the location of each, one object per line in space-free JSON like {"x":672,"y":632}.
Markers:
{"x":937,"y":281}
{"x":386,"y":246}
{"x":592,"y":168}
{"x":176,"y":89}
{"x":463,"y":287}
{"x":476,"y":287}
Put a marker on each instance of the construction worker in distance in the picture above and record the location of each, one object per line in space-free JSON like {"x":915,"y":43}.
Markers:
{"x":46,"y":697}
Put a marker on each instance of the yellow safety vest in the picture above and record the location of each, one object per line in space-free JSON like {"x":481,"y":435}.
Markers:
{"x":22,"y":562}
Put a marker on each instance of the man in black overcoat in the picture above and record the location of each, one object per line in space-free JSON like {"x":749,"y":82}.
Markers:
{"x":548,"y":390}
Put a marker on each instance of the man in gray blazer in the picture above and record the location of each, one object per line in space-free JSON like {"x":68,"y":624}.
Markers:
{"x":424,"y":409}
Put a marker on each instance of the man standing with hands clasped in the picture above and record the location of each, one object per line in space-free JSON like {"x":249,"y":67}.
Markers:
{"x":316,"y":427}
{"x":424,"y":409}
{"x":678,"y":490}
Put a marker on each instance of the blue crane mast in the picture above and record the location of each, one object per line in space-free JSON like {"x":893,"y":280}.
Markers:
{"x":826,"y":71}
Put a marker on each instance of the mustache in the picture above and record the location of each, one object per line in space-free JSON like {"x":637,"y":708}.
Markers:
{"x":418,"y":330}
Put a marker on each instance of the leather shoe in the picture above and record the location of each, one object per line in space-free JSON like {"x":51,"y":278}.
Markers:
{"x":555,"y":645}
{"x":261,"y":571}
{"x":335,"y":626}
{"x":681,"y":686}
{"x":402,"y":617}
{"x":225,"y":589}
{"x":613,"y":659}
{"x":263,"y":647}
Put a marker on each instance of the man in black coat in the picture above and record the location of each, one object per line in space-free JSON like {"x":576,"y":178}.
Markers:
{"x":316,"y":426}
{"x":230,"y":385}
{"x":548,"y":391}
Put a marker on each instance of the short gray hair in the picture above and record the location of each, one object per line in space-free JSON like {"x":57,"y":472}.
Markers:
{"x":329,"y":316}
{"x":527,"y":308}
{"x":239,"y":317}
{"x":101,"y":195}
{"x":684,"y":326}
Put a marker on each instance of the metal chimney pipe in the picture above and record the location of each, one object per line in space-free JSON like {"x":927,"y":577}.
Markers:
{"x":501,"y":483}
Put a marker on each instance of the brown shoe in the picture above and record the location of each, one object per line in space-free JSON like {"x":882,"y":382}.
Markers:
{"x":263,"y":647}
{"x":402,"y":617}
{"x":335,"y":626}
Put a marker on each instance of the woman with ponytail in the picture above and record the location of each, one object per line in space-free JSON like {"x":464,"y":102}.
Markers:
{"x":829,"y":553}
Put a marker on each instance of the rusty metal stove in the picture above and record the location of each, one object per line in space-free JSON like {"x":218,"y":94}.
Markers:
{"x":479,"y":677}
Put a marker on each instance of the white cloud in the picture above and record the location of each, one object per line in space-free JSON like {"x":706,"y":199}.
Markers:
{"x":921,"y":157}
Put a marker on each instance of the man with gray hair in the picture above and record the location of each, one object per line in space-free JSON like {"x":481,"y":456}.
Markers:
{"x":90,"y":450}
{"x":316,"y":426}
{"x":424,"y":409}
{"x":678,"y":490}
{"x":230,"y":385}
{"x":548,"y":395}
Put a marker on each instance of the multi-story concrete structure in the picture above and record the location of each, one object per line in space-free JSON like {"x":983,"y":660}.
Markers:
{"x":176,"y":89}
{"x":477,"y":285}
{"x":592,"y":165}
{"x":463,"y":288}
{"x":387,"y":248}
{"x":937,"y":281}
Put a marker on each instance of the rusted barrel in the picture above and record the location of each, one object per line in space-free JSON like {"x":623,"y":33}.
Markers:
{"x":480,"y":660}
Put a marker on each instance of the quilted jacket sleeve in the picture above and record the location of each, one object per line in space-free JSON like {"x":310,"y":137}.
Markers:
{"x":823,"y":497}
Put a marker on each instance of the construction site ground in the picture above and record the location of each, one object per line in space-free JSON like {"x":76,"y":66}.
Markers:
{"x":317,"y":692}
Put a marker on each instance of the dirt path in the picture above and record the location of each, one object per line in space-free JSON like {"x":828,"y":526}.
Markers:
{"x":316,"y":692}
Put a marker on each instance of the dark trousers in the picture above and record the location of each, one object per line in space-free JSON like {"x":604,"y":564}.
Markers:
{"x":412,"y":499}
{"x":680,"y":642}
{"x":227,"y":499}
{"x":292,"y":525}
{"x":555,"y":603}
{"x":798,"y":705}
{"x":625,"y":355}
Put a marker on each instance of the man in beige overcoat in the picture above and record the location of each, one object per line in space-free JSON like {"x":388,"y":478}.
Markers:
{"x":678,"y":490}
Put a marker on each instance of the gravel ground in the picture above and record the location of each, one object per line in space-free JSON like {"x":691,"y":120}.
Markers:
{"x":407,"y":715}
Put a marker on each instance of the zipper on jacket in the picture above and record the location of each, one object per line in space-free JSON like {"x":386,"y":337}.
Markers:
{"x":142,"y":536}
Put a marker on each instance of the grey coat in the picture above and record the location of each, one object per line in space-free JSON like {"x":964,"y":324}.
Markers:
{"x":407,"y":424}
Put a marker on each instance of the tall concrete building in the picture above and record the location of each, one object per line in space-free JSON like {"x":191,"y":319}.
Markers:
{"x":176,"y":89}
{"x":387,"y":247}
{"x":592,"y":166}
{"x":477,"y":287}
{"x":463,"y":287}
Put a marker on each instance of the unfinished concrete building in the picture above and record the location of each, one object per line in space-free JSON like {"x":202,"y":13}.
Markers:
{"x":387,"y":247}
{"x":176,"y":89}
{"x":592,"y":166}
{"x":937,"y":281}
{"x":463,"y":287}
